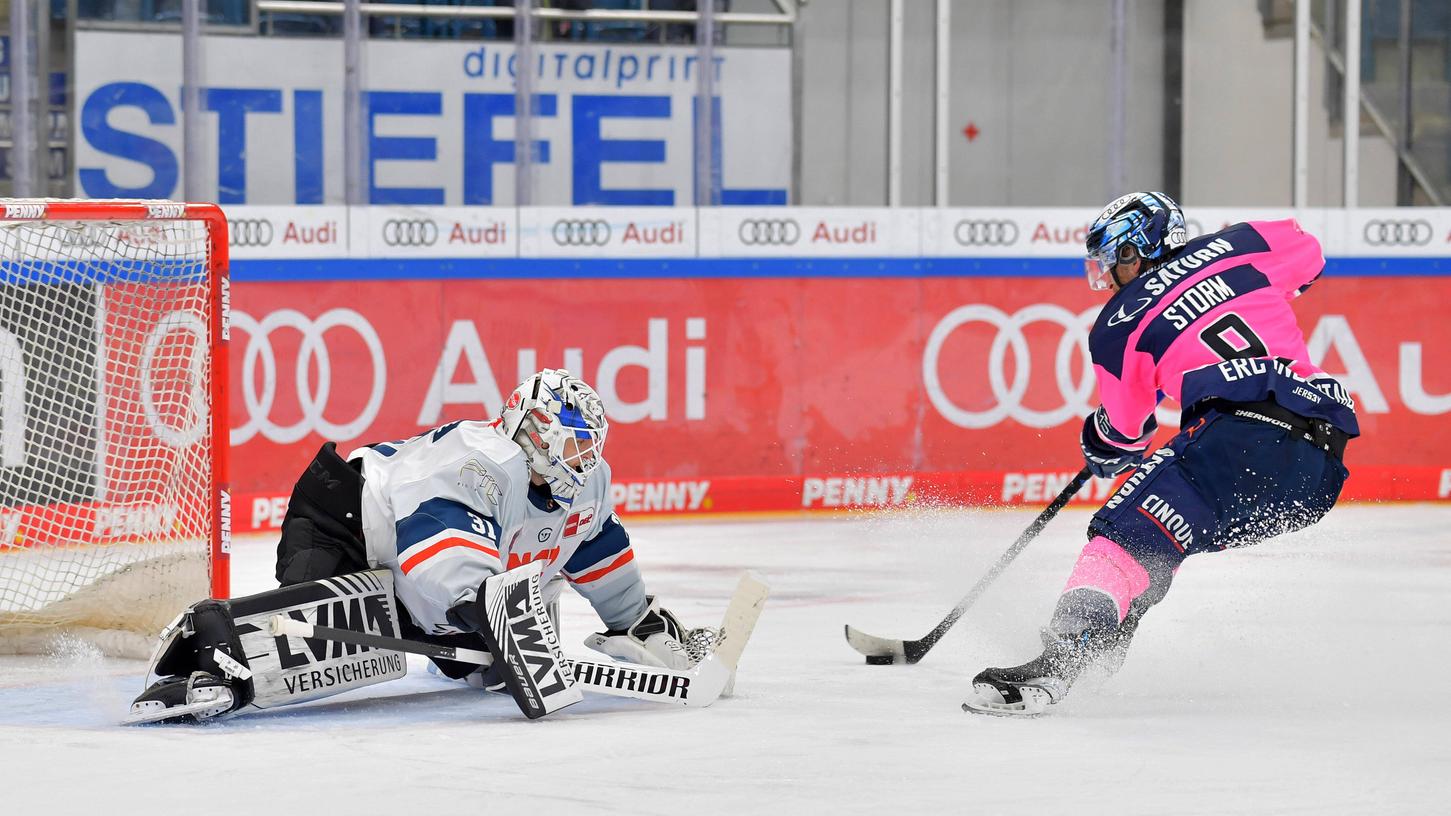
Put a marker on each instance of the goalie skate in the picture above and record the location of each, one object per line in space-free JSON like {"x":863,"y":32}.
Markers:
{"x":178,"y":700}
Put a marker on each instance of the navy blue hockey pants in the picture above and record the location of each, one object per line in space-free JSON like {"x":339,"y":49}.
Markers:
{"x":1224,"y":481}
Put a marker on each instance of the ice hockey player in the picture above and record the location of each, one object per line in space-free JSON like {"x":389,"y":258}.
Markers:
{"x":1207,"y":322}
{"x":433,"y":517}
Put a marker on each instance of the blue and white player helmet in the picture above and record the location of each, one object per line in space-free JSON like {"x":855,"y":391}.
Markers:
{"x":1149,"y":222}
{"x":560,"y":423}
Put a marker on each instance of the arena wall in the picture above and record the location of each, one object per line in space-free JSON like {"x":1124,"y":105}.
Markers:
{"x":772,"y":359}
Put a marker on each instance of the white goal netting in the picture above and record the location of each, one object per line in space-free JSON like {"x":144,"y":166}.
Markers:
{"x":109,"y":495}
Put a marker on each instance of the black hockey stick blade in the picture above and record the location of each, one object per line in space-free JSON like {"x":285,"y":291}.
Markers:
{"x":882,"y":651}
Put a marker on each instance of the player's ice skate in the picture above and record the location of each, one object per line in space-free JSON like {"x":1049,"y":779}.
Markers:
{"x":1072,"y":646}
{"x":1023,"y":691}
{"x":1028,"y":690}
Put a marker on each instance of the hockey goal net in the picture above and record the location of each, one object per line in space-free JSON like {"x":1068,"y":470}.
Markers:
{"x":114,"y":512}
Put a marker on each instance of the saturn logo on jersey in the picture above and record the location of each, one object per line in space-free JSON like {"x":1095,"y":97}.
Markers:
{"x":1121,"y":317}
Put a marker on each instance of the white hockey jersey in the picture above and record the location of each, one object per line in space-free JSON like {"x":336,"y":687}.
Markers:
{"x":452,"y":506}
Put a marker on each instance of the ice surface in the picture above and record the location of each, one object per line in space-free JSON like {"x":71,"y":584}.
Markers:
{"x":1305,"y":675}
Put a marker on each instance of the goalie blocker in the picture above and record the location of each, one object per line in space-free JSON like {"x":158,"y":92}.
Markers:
{"x":222,"y":657}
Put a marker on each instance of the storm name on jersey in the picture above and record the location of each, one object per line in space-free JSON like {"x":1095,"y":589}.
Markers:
{"x":1159,"y":280}
{"x":1198,"y":300}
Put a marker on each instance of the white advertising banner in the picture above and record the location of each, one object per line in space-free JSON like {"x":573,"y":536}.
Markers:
{"x":435,"y":232}
{"x":291,"y":232}
{"x":990,"y":234}
{"x":810,"y":232}
{"x":1047,"y":232}
{"x":1007,"y":232}
{"x":613,"y":125}
{"x":607,"y":232}
{"x":1391,"y":233}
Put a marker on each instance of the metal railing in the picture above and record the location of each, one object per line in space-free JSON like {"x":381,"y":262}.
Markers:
{"x":707,"y":162}
{"x":1396,"y":138}
{"x":786,"y":17}
{"x":1382,"y":123}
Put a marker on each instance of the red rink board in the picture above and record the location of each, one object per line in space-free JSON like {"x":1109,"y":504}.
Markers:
{"x":732,"y":395}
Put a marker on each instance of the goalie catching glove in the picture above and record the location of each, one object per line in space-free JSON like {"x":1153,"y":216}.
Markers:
{"x":656,"y":639}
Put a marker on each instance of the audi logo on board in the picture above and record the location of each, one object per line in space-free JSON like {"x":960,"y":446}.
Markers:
{"x":410,"y":232}
{"x":770,"y":231}
{"x":313,"y":371}
{"x":249,"y":232}
{"x":1397,"y":232}
{"x":581,"y":232}
{"x":1010,"y":366}
{"x":974,"y":232}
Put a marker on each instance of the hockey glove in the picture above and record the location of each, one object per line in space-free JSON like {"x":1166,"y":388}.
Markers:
{"x":656,"y":639}
{"x":1108,"y":452}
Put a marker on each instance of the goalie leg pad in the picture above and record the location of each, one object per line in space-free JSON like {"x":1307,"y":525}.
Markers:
{"x":230,"y":643}
{"x":291,"y":670}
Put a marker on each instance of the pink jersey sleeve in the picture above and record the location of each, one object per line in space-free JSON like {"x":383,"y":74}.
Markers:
{"x":1294,"y":260}
{"x":1129,"y":400}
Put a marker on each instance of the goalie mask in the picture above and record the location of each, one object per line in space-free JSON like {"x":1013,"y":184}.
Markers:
{"x":560,"y":423}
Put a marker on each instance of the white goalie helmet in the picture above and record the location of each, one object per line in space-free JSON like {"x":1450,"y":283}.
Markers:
{"x":560,"y":423}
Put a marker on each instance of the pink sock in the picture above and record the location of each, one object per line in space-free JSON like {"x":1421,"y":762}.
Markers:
{"x":1108,"y":568}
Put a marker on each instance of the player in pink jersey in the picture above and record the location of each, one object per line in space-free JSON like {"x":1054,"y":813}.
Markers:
{"x":1207,"y":322}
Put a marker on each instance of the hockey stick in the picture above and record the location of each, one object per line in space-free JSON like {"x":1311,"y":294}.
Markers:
{"x":885,"y":651}
{"x":698,"y":687}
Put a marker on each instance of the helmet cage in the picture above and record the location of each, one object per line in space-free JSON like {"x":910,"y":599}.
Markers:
{"x":560,"y":423}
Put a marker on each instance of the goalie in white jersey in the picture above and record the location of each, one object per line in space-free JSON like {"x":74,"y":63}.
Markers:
{"x":425,"y":522}
{"x":450,"y":507}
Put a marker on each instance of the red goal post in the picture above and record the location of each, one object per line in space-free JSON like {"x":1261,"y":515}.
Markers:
{"x":114,"y":495}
